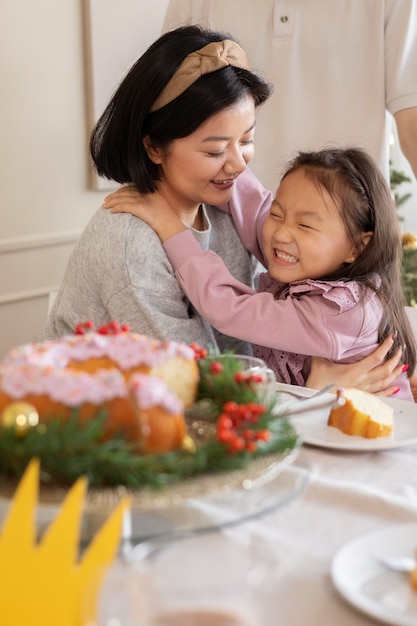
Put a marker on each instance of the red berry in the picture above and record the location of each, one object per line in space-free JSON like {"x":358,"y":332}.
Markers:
{"x":239,"y":377}
{"x":199,"y":352}
{"x":224,"y":421}
{"x":230,"y":407}
{"x":263,"y":435}
{"x":245,"y":414}
{"x":257,"y":409}
{"x":248,"y":434}
{"x":256,"y":378}
{"x":237,"y":444}
{"x":216,"y":367}
{"x":82,"y":327}
{"x":224,"y":435}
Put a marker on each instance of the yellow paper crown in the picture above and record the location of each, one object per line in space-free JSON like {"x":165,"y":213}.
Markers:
{"x":48,"y":583}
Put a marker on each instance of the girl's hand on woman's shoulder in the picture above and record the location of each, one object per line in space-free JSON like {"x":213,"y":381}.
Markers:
{"x":152,"y":208}
{"x":373,"y":373}
{"x":128,"y":199}
{"x":122,"y":199}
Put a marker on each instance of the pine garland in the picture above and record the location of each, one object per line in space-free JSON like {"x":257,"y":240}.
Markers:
{"x":69,"y":449}
{"x":220,"y":381}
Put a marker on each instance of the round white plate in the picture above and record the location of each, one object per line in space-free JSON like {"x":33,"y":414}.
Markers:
{"x":311,"y":424}
{"x":382,"y":594}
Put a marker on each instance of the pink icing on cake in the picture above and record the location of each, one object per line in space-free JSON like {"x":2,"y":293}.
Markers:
{"x":40,"y":369}
{"x":71,"y":388}
{"x":150,"y":391}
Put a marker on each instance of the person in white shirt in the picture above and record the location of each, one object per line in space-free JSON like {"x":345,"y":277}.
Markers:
{"x":342,"y":71}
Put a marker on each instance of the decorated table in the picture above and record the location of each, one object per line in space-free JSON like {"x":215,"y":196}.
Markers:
{"x":329,"y":499}
{"x":349,"y":494}
{"x":315,"y":503}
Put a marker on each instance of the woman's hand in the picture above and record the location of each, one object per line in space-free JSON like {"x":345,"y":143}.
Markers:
{"x":372,"y":373}
{"x":152,"y":208}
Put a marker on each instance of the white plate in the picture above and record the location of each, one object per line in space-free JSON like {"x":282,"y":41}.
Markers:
{"x":311,"y":424}
{"x":384,"y":595}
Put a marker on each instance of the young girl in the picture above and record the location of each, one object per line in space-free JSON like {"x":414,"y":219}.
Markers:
{"x":331,"y":244}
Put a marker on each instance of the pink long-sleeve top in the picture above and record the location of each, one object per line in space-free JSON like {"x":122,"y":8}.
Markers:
{"x":287,"y":323}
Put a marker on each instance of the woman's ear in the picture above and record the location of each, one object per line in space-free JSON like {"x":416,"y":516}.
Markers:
{"x":155,"y":154}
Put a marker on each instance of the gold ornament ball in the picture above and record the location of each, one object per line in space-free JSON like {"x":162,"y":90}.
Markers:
{"x":188,"y":444}
{"x":409,"y":241}
{"x":22,"y":415}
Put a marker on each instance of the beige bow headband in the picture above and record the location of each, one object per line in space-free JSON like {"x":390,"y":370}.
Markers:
{"x":212,"y":57}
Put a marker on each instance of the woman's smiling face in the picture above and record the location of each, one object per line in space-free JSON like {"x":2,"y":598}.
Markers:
{"x":202,"y":167}
{"x":304,"y":235}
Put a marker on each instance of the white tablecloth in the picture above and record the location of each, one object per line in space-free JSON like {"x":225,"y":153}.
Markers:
{"x":348,"y":494}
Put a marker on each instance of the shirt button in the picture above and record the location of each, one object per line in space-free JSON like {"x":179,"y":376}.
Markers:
{"x":284,"y":18}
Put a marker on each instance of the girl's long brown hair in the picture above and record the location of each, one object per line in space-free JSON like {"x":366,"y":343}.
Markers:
{"x":359,"y":189}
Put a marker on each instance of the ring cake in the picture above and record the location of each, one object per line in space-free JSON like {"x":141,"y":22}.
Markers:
{"x":359,"y":413}
{"x":144,"y":384}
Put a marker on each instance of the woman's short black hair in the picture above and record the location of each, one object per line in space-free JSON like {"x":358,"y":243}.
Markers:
{"x":116,"y":143}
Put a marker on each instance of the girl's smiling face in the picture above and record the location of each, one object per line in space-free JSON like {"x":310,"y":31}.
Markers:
{"x":202,"y":167}
{"x":304,"y":235}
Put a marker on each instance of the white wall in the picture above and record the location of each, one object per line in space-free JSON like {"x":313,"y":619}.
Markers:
{"x":45,"y":200}
{"x":44,"y":166}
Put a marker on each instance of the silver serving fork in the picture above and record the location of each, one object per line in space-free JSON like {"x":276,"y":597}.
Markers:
{"x":304,"y":403}
{"x":314,"y":395}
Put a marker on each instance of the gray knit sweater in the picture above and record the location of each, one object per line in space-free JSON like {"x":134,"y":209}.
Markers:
{"x":119,"y":271}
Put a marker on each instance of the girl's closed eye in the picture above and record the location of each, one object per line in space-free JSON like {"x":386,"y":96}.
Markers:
{"x":276,"y":214}
{"x":310,"y":220}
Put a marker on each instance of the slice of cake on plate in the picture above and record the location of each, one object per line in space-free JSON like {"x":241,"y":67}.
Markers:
{"x":361,"y":414}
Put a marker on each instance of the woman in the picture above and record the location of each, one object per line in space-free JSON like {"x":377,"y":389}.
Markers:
{"x":181,"y":122}
{"x":119,"y":270}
